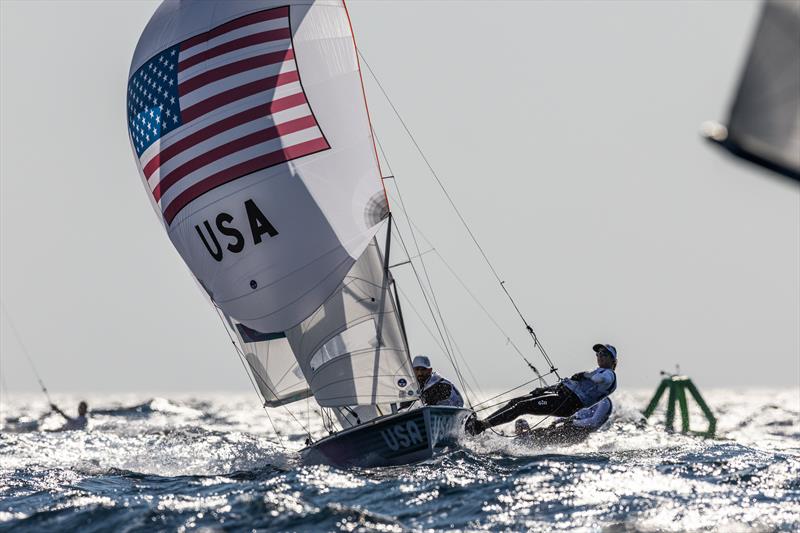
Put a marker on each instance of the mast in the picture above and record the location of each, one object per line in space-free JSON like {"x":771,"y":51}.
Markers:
{"x":387,"y":270}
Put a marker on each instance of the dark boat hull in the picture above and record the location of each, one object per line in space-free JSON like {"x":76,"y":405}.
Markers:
{"x":398,"y":439}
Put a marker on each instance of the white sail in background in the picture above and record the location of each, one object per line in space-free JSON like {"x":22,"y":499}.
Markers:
{"x":764,"y":121}
{"x":251,"y":135}
{"x":352,"y":350}
{"x":272,"y":363}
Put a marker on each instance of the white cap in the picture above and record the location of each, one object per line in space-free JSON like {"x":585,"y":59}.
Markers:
{"x":421,"y":361}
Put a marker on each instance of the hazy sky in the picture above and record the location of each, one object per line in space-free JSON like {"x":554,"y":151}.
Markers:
{"x":567,"y":133}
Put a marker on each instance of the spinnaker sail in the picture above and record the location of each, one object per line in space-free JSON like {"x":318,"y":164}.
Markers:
{"x":252,"y":138}
{"x":251,"y":135}
{"x":764,"y":120}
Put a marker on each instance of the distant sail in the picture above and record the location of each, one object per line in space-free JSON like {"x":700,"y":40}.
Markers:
{"x":764,"y":122}
{"x":250,"y":131}
{"x":272,"y":363}
{"x":352,"y":349}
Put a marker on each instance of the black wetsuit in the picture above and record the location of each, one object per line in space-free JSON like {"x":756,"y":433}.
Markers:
{"x":555,"y":400}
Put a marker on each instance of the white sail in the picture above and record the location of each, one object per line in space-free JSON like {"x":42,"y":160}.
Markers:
{"x":272,"y":364}
{"x":250,"y":132}
{"x":358,"y":414}
{"x":352,"y":349}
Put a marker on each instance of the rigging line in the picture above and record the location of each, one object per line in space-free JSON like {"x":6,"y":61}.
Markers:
{"x":530,"y":365}
{"x":452,"y":204}
{"x":509,"y":390}
{"x":474,"y":297}
{"x":422,"y":288}
{"x":464,"y":359}
{"x":411,"y":258}
{"x":412,"y":226}
{"x":456,"y":351}
{"x":25,"y":352}
{"x":479,"y":303}
{"x":308,"y":411}
{"x":532,"y":333}
{"x":3,"y":392}
{"x":436,"y":339}
{"x":449,"y":351}
{"x":445,"y":337}
{"x":239,"y":356}
{"x":430,"y":167}
{"x":416,"y":246}
{"x":258,"y":393}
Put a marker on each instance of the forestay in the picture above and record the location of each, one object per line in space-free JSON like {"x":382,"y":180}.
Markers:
{"x":352,"y":349}
{"x":251,"y":135}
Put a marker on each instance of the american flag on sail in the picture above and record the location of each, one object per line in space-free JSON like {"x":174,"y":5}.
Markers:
{"x":219,"y":106}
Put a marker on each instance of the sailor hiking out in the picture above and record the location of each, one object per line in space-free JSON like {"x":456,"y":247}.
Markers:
{"x":434,"y":389}
{"x":564,"y":399}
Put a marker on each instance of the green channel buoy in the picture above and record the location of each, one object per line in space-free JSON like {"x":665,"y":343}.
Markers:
{"x":678,"y":385}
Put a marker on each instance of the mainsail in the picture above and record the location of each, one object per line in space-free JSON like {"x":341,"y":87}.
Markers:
{"x":764,"y":121}
{"x":251,"y":135}
{"x":352,"y":349}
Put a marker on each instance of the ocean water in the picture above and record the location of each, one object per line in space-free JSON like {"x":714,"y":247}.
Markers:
{"x":213,"y":462}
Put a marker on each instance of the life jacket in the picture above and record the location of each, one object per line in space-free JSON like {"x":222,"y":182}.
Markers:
{"x":455,"y":399}
{"x":589,"y":392}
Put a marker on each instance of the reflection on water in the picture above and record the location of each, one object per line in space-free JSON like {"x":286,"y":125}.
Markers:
{"x":213,"y":461}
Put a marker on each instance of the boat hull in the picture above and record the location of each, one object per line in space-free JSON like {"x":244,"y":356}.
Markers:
{"x":397,"y":439}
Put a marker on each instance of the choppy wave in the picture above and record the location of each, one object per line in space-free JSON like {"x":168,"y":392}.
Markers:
{"x":213,"y":461}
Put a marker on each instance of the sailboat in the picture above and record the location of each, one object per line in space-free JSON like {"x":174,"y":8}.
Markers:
{"x":250,"y":130}
{"x":763,"y":124}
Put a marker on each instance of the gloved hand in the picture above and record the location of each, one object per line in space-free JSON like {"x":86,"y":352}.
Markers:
{"x":579,"y":376}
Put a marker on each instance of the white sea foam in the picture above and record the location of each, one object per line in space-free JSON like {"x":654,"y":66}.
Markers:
{"x":202,"y":458}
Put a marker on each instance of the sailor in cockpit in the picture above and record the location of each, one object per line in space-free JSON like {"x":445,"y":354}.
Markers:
{"x":434,"y":389}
